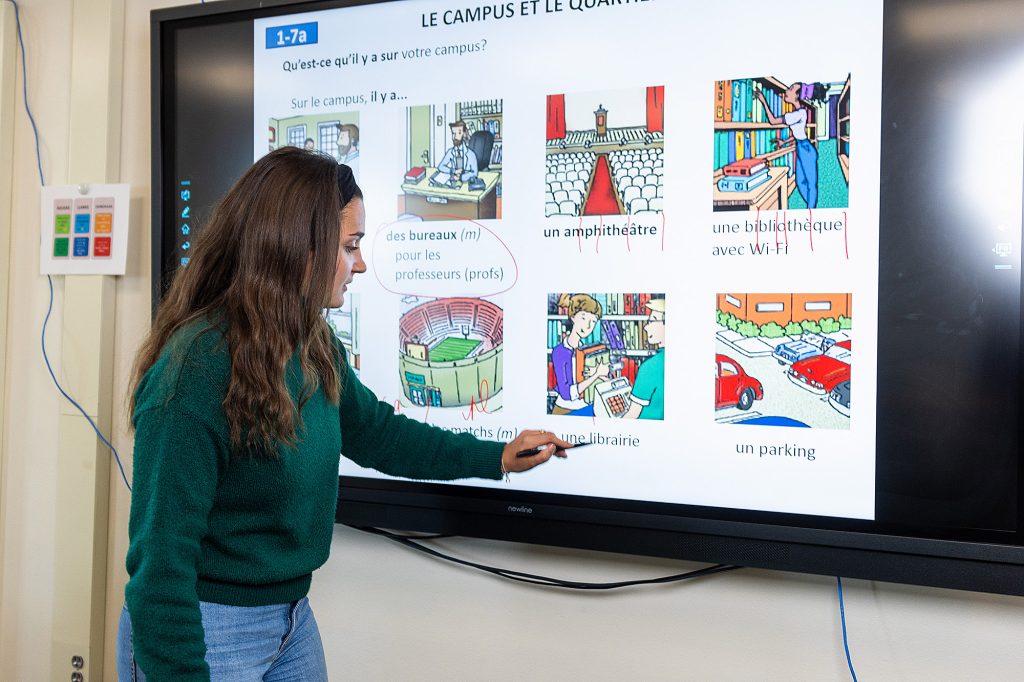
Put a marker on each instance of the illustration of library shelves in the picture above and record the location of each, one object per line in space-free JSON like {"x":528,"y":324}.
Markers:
{"x":618,"y":340}
{"x":484,"y":115}
{"x":755,"y":161}
{"x":596,"y":168}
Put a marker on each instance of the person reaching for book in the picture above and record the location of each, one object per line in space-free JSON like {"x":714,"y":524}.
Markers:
{"x":806,"y":154}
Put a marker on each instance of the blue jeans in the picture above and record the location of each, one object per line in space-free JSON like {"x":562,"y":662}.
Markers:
{"x":807,"y":172}
{"x":246,"y":643}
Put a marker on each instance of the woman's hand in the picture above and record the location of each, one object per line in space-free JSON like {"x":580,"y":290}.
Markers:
{"x":549,"y":445}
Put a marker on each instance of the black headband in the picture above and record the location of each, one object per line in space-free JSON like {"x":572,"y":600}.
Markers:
{"x":347,"y":186}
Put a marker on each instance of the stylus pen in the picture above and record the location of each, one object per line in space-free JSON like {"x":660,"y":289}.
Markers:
{"x":535,"y":451}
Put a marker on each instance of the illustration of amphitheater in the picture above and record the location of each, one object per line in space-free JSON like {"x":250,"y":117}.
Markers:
{"x":451,"y":352}
{"x":605,"y":153}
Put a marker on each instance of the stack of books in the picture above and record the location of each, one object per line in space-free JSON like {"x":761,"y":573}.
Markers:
{"x":743,"y":175}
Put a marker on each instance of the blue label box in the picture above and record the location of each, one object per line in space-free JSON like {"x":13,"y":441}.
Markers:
{"x":292,"y":35}
{"x":81,"y":247}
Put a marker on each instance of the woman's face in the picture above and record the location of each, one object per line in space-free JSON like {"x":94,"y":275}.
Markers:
{"x":583,"y":322}
{"x":791,"y":94}
{"x":350,"y":258}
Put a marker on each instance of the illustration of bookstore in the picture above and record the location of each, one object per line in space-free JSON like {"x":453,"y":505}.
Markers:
{"x":606,"y":355}
{"x":451,"y":352}
{"x":336,"y":134}
{"x":781,"y":145}
{"x":453,"y":155}
{"x":605,"y":153}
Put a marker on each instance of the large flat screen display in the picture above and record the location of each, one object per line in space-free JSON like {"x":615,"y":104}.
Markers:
{"x":677,"y":233}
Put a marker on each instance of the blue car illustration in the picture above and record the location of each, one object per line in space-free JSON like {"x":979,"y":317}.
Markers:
{"x":807,"y":346}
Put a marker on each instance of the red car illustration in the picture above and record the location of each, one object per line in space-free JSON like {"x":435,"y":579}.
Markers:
{"x":733,"y":387}
{"x":822,"y":373}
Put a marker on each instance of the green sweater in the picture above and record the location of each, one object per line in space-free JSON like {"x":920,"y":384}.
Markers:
{"x":246,"y":531}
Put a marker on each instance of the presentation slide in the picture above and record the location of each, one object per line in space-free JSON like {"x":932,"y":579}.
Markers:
{"x":576,"y":208}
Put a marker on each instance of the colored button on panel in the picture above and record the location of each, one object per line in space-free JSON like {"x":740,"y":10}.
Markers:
{"x":104,"y":223}
{"x":82,"y":223}
{"x":60,"y":247}
{"x":62,"y":223}
{"x":81,"y":247}
{"x":101,"y":247}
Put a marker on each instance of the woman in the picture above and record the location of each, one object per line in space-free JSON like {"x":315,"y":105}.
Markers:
{"x":806,"y":153}
{"x":242,"y":402}
{"x":584,"y":312}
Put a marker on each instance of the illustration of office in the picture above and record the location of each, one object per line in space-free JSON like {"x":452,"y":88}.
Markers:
{"x":605,"y":152}
{"x":451,"y":352}
{"x":781,"y":145}
{"x":454,"y":161}
{"x":320,"y":133}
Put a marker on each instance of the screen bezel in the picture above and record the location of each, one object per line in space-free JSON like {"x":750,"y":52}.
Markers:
{"x":758,"y":539}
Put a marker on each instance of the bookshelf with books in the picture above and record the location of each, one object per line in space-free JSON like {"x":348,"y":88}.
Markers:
{"x":742,"y":130}
{"x":843,"y":114}
{"x":485,"y":115}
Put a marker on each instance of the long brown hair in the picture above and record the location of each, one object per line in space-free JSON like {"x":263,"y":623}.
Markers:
{"x":262,"y":269}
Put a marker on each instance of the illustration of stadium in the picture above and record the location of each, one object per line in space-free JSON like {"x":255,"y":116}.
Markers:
{"x":451,"y":352}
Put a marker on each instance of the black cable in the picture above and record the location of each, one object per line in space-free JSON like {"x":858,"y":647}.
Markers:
{"x":519,"y":576}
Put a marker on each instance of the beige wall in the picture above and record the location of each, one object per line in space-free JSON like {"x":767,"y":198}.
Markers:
{"x":30,"y":433}
{"x":387,"y":614}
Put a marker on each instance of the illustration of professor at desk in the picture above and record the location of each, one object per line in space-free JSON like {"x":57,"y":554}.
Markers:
{"x":453,"y":157}
{"x":459,"y":162}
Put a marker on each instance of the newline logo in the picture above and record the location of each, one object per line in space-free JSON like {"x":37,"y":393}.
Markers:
{"x":520,"y":510}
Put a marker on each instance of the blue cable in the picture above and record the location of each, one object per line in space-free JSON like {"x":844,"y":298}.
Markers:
{"x":24,"y":89}
{"x":49,"y":308}
{"x":71,"y":400}
{"x":842,"y":615}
